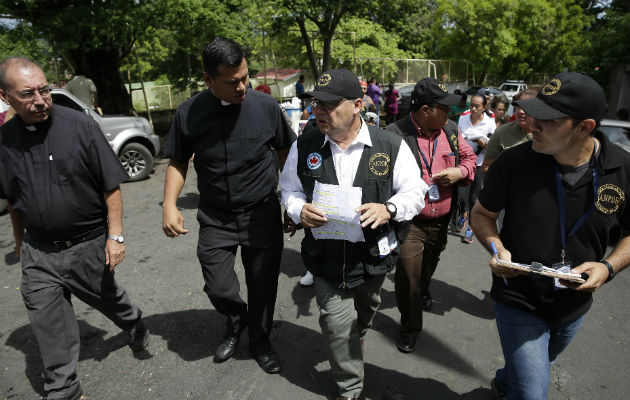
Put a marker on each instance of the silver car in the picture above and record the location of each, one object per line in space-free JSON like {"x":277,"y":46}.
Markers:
{"x":617,"y":132}
{"x":132,"y":138}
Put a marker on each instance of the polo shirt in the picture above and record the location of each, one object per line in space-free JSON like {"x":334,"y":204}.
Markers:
{"x":233,"y":146}
{"x":523,"y":183}
{"x":55,"y":173}
{"x":506,"y":136}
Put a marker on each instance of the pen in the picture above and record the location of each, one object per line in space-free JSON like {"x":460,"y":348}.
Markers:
{"x":496,"y":255}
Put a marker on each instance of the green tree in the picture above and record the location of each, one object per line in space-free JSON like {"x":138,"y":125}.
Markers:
{"x":93,"y":36}
{"x":512,"y":38}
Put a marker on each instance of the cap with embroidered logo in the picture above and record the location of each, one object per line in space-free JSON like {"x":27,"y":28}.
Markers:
{"x":335,"y":84}
{"x":569,"y":94}
{"x":429,"y":91}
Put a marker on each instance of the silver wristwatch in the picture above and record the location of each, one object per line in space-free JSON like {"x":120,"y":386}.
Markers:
{"x":118,"y":238}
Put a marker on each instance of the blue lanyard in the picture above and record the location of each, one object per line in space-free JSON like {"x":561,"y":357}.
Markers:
{"x":432,"y":155}
{"x":562,"y":209}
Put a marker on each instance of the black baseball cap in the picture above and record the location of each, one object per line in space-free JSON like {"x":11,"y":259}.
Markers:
{"x":335,"y":84}
{"x":429,"y":91}
{"x":569,"y":94}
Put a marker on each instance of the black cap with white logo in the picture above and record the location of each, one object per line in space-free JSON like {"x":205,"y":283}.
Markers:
{"x":428,"y":91}
{"x":569,"y":94}
{"x":335,"y":84}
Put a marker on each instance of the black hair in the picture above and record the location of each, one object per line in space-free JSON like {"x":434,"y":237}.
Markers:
{"x":498,"y":99}
{"x":301,"y":77}
{"x":482,"y":97}
{"x":391,"y":86}
{"x":525,"y":92}
{"x":464,"y":98}
{"x":21,"y":62}
{"x":222,"y":51}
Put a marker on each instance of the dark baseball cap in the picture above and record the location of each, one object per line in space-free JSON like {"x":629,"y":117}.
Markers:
{"x":335,"y":84}
{"x":429,"y":91}
{"x":569,"y":94}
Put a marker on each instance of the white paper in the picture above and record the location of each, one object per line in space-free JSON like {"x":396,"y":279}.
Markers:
{"x":339,"y":205}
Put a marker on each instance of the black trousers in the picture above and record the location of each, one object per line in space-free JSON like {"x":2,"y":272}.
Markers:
{"x":419,"y":257}
{"x":259,"y":234}
{"x":49,"y":279}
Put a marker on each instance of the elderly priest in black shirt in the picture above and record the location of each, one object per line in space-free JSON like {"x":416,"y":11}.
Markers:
{"x":344,"y":151}
{"x":233,"y":134}
{"x":62,"y":179}
{"x":566,"y":196}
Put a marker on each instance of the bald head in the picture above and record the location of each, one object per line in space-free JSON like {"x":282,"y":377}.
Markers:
{"x":15,"y":62}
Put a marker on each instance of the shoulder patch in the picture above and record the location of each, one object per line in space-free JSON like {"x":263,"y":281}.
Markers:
{"x":314,"y":160}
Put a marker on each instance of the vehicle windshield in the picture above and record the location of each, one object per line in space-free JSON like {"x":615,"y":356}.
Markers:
{"x":509,"y":88}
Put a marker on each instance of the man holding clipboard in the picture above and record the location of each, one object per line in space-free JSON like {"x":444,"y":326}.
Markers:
{"x":566,"y":199}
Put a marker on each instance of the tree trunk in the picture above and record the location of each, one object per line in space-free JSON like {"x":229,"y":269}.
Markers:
{"x":103,"y":67}
{"x":309,"y":49}
{"x":326,"y":52}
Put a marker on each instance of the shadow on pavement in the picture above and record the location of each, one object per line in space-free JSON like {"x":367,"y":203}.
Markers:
{"x":428,"y":347}
{"x":445,"y":298}
{"x":386,"y":384}
{"x":93,"y":346}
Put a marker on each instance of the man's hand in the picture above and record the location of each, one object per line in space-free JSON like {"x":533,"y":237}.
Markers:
{"x":373,"y":213}
{"x":173,"y":222}
{"x":114,"y":253}
{"x":504,"y":272}
{"x":448,"y":176}
{"x":312,"y":217}
{"x":289,"y":226}
{"x":597,"y":275}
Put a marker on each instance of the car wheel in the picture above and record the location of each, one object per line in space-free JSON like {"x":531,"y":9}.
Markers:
{"x":137,"y":161}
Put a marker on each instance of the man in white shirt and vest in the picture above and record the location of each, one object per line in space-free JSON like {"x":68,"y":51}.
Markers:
{"x":341,"y":149}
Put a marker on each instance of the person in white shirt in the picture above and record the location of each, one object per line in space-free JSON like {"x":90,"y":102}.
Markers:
{"x":341,"y":149}
{"x":476,"y":127}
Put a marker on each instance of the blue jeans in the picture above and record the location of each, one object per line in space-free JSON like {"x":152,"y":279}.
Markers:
{"x":530,"y":345}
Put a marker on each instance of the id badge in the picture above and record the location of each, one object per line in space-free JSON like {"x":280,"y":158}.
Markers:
{"x":383,"y":246}
{"x":434,"y":193}
{"x":391,"y":239}
{"x":564,"y":267}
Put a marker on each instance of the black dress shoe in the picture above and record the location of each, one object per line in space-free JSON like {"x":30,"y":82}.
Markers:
{"x":427,"y":303}
{"x":226,"y":349}
{"x":406,"y":344}
{"x":269,"y":362}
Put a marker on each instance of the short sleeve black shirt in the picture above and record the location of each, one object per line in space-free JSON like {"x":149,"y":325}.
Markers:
{"x":233,"y":147}
{"x":523,"y":183}
{"x":56,"y":175}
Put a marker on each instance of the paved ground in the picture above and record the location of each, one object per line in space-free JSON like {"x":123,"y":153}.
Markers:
{"x":456,"y":357}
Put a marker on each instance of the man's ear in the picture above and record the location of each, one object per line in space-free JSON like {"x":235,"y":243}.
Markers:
{"x":358,"y":106}
{"x":208,"y":80}
{"x":586,"y":127}
{"x":3,"y":96}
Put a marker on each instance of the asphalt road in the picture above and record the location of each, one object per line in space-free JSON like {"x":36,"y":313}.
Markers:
{"x":455,"y":359}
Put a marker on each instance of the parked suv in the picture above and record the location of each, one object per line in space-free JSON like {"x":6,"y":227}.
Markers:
{"x":512,"y":87}
{"x":132,"y":138}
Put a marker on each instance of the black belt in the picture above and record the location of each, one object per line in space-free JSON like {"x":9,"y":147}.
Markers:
{"x":251,"y":206}
{"x":73,"y":241}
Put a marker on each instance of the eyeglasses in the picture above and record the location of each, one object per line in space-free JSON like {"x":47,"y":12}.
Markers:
{"x":326,"y":105}
{"x":30,"y":94}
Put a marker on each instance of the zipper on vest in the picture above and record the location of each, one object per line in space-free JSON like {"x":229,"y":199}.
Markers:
{"x":343,"y":271}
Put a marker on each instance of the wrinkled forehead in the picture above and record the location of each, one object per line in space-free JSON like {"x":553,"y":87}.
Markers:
{"x":20,"y":77}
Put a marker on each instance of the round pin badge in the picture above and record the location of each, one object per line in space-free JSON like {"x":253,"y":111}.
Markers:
{"x":314,"y":160}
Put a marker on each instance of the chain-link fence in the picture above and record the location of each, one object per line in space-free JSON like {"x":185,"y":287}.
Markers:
{"x":159,"y":97}
{"x":402,"y":70}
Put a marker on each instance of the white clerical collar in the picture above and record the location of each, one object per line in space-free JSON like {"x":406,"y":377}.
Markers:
{"x":225,"y":103}
{"x":30,"y":128}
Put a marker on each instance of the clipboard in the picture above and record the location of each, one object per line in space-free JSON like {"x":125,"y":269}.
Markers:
{"x":538,"y":268}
